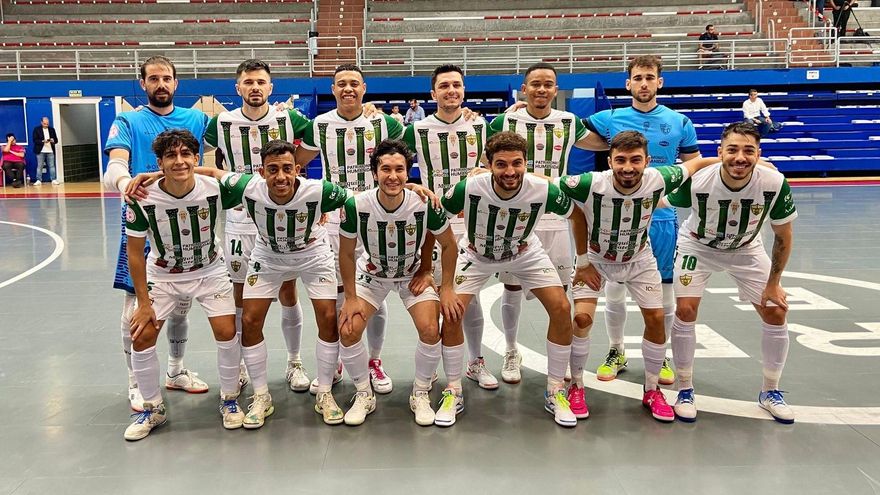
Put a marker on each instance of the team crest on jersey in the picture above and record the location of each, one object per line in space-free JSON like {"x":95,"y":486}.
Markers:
{"x":236,"y":265}
{"x":203,"y":213}
{"x":665,"y":128}
{"x":558,"y":133}
{"x":471,"y":139}
{"x":252,"y":279}
{"x":572,"y":181}
{"x":459,"y":279}
{"x":369,"y":135}
{"x":685,"y":280}
{"x":646,"y":203}
{"x":129,"y":215}
{"x":274,"y":133}
{"x":114,"y":131}
{"x":757,"y":209}
{"x":523,"y":216}
{"x":301,"y":217}
{"x":410,"y":229}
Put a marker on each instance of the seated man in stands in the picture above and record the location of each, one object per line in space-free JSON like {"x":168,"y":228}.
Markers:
{"x":707,"y":51}
{"x":755,"y":112}
{"x":13,"y":161}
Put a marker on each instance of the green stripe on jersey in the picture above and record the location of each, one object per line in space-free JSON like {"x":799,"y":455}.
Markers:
{"x":175,"y":238}
{"x":246,"y":148}
{"x":400,"y":225}
{"x":425,"y":156}
{"x":193,"y":212}
{"x":159,"y":246}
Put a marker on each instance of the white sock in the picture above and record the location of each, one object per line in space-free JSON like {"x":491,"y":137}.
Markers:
{"x":291,"y":328}
{"x":427,"y":359}
{"x":668,"y":309}
{"x":228,"y":359}
{"x":177,"y":328}
{"x":145,"y":366}
{"x":580,"y":351}
{"x":453,"y":361}
{"x":653,"y":354}
{"x":774,"y":351}
{"x":511,"y":307}
{"x":327,"y":357}
{"x":129,"y":302}
{"x":684,"y":342}
{"x":376,"y":331}
{"x":357,"y":362}
{"x":238,"y":313}
{"x":472,"y":324}
{"x":615,"y":313}
{"x":558,"y":357}
{"x":255,"y":358}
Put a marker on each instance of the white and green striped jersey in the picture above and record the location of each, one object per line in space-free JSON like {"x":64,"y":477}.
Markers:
{"x":725,"y":219}
{"x":291,"y":228}
{"x":240,"y":140}
{"x":345,"y":146}
{"x":499,"y":229}
{"x":618,"y":223}
{"x":392,"y":240}
{"x":181,"y":230}
{"x":447,"y":151}
{"x":549,"y":140}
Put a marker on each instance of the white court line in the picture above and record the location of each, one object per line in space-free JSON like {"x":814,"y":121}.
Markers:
{"x":59,"y":247}
{"x":493,"y":338}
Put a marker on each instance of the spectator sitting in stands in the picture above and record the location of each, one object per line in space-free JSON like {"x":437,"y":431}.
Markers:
{"x":13,"y":161}
{"x":708,"y":49}
{"x":755,"y":112}
{"x":415,"y":112}
{"x":395,"y":114}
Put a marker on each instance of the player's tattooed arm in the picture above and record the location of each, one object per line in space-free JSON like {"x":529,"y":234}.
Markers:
{"x":782,"y":245}
{"x":144,"y":317}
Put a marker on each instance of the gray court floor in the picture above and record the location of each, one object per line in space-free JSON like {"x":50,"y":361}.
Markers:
{"x":64,"y":408}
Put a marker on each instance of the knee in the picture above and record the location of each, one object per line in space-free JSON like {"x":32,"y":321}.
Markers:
{"x":583,"y":320}
{"x":350,"y":335}
{"x":560,"y":309}
{"x":430,"y":333}
{"x":252,"y":323}
{"x":686,"y":312}
{"x":774,"y":315}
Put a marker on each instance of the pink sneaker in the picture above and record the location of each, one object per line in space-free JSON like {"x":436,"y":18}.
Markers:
{"x":577,"y":403}
{"x":380,"y":380}
{"x":656,"y":402}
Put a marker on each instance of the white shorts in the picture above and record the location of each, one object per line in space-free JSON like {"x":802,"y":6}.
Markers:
{"x":374,"y":290}
{"x":532,"y":269}
{"x":641,"y":277}
{"x":436,"y":260}
{"x":557,"y":243}
{"x":214,"y":294}
{"x":237,"y":253}
{"x":264,"y":277}
{"x":694,"y":266}
{"x":332,"y":227}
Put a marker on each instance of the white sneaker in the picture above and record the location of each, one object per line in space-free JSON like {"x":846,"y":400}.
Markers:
{"x":451,"y":404}
{"x":259,"y":409}
{"x":510,"y":369}
{"x":37,"y":183}
{"x":326,"y":406}
{"x":54,"y":182}
{"x":420,"y":404}
{"x":153,"y":416}
{"x":243,"y":377}
{"x":379,"y":380}
{"x":135,"y":398}
{"x":233,"y":416}
{"x":685,"y":409}
{"x":337,"y":377}
{"x":774,"y":403}
{"x":187,"y":381}
{"x":557,"y":405}
{"x":363,"y":403}
{"x":476,"y":371}
{"x":296,"y":376}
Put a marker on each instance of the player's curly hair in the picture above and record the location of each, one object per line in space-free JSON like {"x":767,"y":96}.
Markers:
{"x":172,"y":138}
{"x":743,"y":129}
{"x":505,"y":141}
{"x":628,"y":141}
{"x":390,"y":147}
{"x":647,"y":61}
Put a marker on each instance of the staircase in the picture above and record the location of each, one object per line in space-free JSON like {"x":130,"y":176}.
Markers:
{"x":806,"y":49}
{"x":340,"y":33}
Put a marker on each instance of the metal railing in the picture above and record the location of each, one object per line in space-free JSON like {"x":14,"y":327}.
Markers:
{"x":296,"y":60}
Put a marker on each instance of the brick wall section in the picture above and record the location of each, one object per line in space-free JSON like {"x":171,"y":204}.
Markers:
{"x":785,"y":15}
{"x":338,"y":18}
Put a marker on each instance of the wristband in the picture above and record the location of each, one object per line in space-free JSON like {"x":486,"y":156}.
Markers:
{"x":581,"y":261}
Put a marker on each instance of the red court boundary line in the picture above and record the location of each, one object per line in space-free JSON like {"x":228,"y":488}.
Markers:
{"x":87,"y":195}
{"x":820,"y":182}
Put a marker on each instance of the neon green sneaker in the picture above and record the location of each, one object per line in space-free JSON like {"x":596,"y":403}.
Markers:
{"x":667,"y":376}
{"x":615,"y":362}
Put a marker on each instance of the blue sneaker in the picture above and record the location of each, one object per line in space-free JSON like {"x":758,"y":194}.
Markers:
{"x":684,"y":407}
{"x":773,"y":402}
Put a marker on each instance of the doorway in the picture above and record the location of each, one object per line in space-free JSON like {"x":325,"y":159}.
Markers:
{"x":78,"y":156}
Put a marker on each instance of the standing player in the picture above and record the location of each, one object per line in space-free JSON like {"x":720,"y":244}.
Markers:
{"x":345,"y":138}
{"x":180,"y":218}
{"x":730,"y":202}
{"x":291,"y":244}
{"x":239,"y":135}
{"x":393,"y":225}
{"x":550,"y":135}
{"x":129,"y":146}
{"x":612,"y":246}
{"x":501,"y":210}
{"x":449,"y":145}
{"x":670,"y":135}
